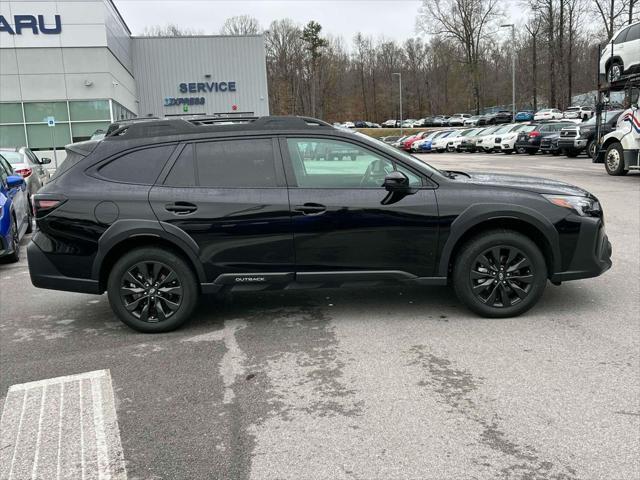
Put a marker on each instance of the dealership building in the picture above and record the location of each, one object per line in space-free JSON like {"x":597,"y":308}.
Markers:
{"x":68,"y":68}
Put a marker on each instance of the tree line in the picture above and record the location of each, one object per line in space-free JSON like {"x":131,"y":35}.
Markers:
{"x":459,"y":60}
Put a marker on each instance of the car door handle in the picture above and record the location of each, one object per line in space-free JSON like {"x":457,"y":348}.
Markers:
{"x":311,"y":209}
{"x":181,"y":208}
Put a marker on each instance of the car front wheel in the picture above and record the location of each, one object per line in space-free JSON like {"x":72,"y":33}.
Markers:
{"x":14,"y":256}
{"x":152,"y":290}
{"x":500,"y":273}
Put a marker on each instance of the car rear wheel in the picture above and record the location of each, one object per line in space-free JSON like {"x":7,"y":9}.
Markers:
{"x":614,"y":160}
{"x":500,"y":273}
{"x":152,"y":290}
{"x":592,"y":149}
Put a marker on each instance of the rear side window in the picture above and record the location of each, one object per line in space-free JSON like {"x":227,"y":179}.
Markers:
{"x":236,"y":163}
{"x":141,"y":167}
{"x":633,"y":33}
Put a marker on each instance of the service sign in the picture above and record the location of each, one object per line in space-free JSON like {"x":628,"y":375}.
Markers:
{"x":198,"y":87}
{"x":36,"y":24}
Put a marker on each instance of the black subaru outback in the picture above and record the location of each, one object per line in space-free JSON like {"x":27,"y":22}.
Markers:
{"x":161,"y":211}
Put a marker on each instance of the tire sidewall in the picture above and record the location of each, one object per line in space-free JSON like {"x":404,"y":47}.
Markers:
{"x":182,"y":270}
{"x":620,"y":169}
{"x":479,"y":244}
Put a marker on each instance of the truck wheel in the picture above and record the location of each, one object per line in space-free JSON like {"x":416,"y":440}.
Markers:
{"x":152,"y":290}
{"x":614,"y":160}
{"x":592,"y":149}
{"x":499,"y":273}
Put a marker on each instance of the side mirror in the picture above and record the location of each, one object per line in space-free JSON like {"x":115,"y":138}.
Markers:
{"x":45,"y":161}
{"x":15,"y":181}
{"x":396,"y":182}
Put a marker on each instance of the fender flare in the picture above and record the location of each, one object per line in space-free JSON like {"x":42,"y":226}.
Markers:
{"x":480,"y":213}
{"x":122,"y":230}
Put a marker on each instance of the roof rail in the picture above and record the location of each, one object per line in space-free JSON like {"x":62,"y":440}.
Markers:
{"x":155,"y":127}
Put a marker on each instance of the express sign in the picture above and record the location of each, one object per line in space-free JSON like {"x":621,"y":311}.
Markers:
{"x":35,"y":23}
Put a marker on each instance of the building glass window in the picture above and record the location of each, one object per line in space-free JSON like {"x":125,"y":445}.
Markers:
{"x":81,"y":131}
{"x":121,"y":113}
{"x":12,"y":136}
{"x":38,"y":112}
{"x":40,"y":136}
{"x":89,"y":110}
{"x":10,"y":113}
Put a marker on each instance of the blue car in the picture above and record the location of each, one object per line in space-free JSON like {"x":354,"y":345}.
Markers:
{"x":524,"y":116}
{"x":15,"y":213}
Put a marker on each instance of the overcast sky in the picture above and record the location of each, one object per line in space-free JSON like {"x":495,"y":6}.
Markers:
{"x":393,"y":19}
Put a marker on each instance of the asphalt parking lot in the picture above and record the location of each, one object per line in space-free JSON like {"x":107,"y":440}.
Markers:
{"x":384,"y":383}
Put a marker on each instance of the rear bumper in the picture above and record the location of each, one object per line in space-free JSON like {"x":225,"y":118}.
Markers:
{"x":572,"y":143}
{"x":44,"y":274}
{"x":592,"y":255}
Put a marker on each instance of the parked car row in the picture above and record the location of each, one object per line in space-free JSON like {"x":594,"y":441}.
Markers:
{"x":22,"y":174}
{"x":579,"y":112}
{"x":566,"y":136}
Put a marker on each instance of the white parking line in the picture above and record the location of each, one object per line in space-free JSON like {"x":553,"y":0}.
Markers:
{"x":63,"y":427}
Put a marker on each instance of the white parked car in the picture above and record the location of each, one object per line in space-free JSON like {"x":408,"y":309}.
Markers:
{"x":457,"y":119}
{"x":349,"y":125}
{"x":508,"y":140}
{"x":390,"y":123}
{"x":487,"y":141}
{"x":548,"y":114}
{"x":622,"y":54}
{"x":440,"y":141}
{"x":453,"y":143}
{"x":582,"y":113}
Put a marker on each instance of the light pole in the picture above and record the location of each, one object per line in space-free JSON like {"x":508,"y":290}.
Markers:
{"x":400,"y":94}
{"x":513,"y":67}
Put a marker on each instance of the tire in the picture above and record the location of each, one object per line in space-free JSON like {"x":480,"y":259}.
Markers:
{"x":507,"y":152}
{"x":592,"y":149}
{"x":614,"y":160}
{"x":14,"y":256}
{"x":490,"y":283}
{"x":521,"y":150}
{"x":179,"y":298}
{"x":614,"y":72}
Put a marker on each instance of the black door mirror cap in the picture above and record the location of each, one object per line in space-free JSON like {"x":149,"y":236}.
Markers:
{"x":396,"y":182}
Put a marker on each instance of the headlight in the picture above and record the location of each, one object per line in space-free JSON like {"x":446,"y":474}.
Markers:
{"x":583,"y":206}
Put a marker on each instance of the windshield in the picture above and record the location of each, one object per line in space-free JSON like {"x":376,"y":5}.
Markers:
{"x":504,"y":129}
{"x":399,"y":153}
{"x":13,"y":157}
{"x":528,"y":128}
{"x":608,"y":115}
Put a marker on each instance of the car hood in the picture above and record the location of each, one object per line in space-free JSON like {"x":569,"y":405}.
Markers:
{"x":531,"y":184}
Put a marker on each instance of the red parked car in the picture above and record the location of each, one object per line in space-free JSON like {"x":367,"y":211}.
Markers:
{"x":406,"y":145}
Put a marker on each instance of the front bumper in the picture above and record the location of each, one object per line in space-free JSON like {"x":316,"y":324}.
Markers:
{"x":574,"y":143}
{"x":592,"y":253}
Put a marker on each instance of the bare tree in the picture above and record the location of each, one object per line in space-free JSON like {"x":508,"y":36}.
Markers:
{"x":169,"y":30}
{"x":241,"y":25}
{"x":612,"y":13}
{"x":466,"y":22}
{"x":533,"y":27}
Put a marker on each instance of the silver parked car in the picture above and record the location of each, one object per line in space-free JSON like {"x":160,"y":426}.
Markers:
{"x":24,"y":162}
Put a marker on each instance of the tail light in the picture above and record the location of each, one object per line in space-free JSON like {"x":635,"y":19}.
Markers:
{"x":534,"y":134}
{"x":24,"y":172}
{"x":44,"y":204}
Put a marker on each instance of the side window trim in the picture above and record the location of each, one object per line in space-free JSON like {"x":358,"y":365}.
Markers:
{"x":164,"y":173}
{"x":290,"y":173}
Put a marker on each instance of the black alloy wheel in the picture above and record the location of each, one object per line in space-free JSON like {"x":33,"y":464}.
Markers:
{"x":501,"y":276}
{"x":151,"y":291}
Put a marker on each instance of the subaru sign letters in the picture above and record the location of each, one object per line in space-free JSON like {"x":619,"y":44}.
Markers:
{"x":34,"y":23}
